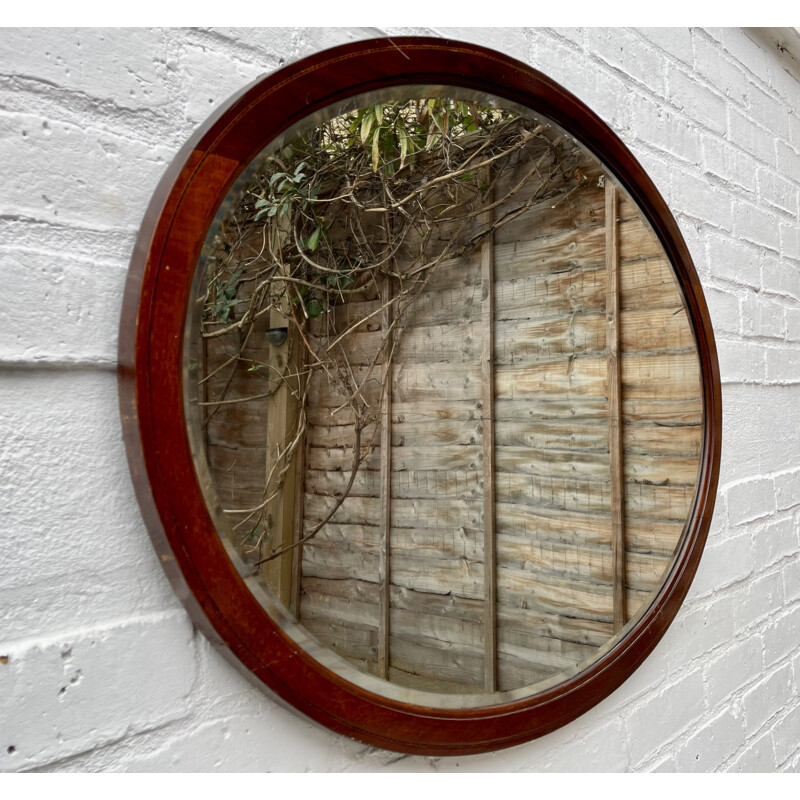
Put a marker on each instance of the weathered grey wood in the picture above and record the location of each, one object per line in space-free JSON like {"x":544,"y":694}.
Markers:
{"x":384,"y":567}
{"x":554,"y":594}
{"x":298,"y":510}
{"x":437,"y":514}
{"x":552,"y":464}
{"x":487,"y":368}
{"x":617,"y":501}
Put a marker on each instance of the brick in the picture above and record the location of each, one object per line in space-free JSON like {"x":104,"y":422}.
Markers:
{"x":718,"y":739}
{"x":783,"y":80}
{"x":733,"y":261}
{"x":790,"y":240}
{"x":782,"y":636}
{"x":719,"y":522}
{"x":730,"y":561}
{"x":77,"y":303}
{"x":729,"y":163}
{"x":698,"y":631}
{"x":777,"y":191}
{"x":791,"y":583}
{"x":740,"y":362}
{"x":702,"y":200}
{"x":60,"y":438}
{"x":511,"y":41}
{"x":788,"y":161}
{"x":762,"y":317}
{"x":127,"y":67}
{"x":757,"y":756}
{"x":657,"y":125}
{"x":787,"y":489}
{"x":610,"y":99}
{"x":663,"y":716}
{"x":695,"y":234}
{"x":737,"y":666}
{"x":724,"y":563}
{"x":235,"y":743}
{"x":751,"y":55}
{"x":781,"y":276}
{"x":676,"y":42}
{"x":604,"y":748}
{"x":776,"y":541}
{"x":98,"y":244}
{"x":772,"y":113}
{"x":576,"y":36}
{"x":90,"y":687}
{"x":750,"y":446}
{"x":793,"y":324}
{"x":794,"y":129}
{"x":749,"y":500}
{"x":712,"y":63}
{"x":211,"y":78}
{"x":277,"y":46}
{"x":666,"y":764}
{"x":762,"y":597}
{"x":629,"y":54}
{"x":786,"y":734}
{"x":783,"y":365}
{"x":768,"y":697}
{"x":757,"y":226}
{"x":751,"y":137}
{"x":68,"y":174}
{"x":658,"y":170}
{"x":697,"y":102}
{"x":724,"y":309}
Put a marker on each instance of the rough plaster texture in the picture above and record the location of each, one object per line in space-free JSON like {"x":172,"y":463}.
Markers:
{"x":100,"y":668}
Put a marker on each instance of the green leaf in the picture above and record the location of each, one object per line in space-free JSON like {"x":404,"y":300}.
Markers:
{"x":366,"y":126}
{"x":379,"y":113}
{"x":314,"y":308}
{"x":313,"y":240}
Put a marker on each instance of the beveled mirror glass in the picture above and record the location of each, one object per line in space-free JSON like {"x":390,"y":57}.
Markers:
{"x":444,"y":394}
{"x":420,"y":395}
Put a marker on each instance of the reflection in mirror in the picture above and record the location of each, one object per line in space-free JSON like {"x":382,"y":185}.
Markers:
{"x":444,"y":394}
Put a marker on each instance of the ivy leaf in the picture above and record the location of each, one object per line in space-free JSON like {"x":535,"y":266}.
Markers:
{"x":314,"y":308}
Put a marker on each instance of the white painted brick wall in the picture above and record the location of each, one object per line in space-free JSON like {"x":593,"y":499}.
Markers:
{"x":99,"y":666}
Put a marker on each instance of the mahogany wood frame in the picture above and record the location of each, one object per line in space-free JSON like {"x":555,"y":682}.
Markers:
{"x":151,"y":394}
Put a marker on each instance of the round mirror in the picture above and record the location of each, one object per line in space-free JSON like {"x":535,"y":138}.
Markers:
{"x":433,"y":414}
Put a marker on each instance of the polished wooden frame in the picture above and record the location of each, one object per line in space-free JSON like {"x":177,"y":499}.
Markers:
{"x":152,"y":404}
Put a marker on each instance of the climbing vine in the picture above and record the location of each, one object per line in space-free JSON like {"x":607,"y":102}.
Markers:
{"x":358,"y":214}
